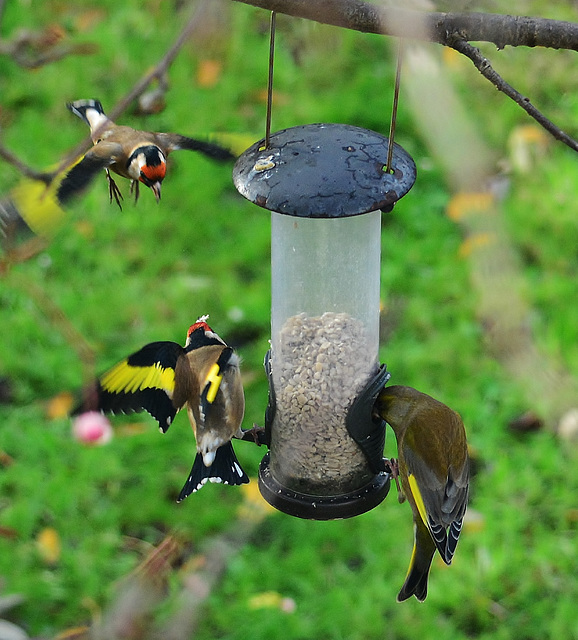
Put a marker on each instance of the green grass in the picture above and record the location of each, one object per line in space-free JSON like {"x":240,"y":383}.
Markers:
{"x":123,"y":279}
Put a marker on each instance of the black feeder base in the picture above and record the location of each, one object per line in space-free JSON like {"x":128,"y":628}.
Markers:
{"x":310,"y":507}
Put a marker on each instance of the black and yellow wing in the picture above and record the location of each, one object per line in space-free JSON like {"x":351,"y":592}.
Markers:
{"x":37,"y":204}
{"x":155,"y":379}
{"x":31,"y":206}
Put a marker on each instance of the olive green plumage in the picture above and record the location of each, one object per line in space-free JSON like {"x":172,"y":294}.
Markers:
{"x":433,"y":466}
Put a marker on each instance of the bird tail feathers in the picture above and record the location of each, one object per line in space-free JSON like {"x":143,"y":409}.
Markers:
{"x":225,"y":469}
{"x":81,"y":108}
{"x":417,"y":575}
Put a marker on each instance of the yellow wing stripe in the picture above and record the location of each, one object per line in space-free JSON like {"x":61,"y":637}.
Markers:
{"x":418,"y":499}
{"x":38,"y":206}
{"x":125,"y":378}
{"x":213,"y":379}
{"x":413,"y":553}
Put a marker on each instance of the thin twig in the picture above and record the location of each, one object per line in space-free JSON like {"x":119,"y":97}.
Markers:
{"x":483,"y":65}
{"x":164,"y":63}
{"x":24,"y":169}
{"x":58,"y":319}
{"x":141,"y":86}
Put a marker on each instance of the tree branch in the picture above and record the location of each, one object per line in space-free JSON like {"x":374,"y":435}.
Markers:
{"x":453,"y":30}
{"x":442,"y":28}
{"x":157,"y":72}
{"x":24,"y":169}
{"x":483,"y":65}
{"x":140,"y":87}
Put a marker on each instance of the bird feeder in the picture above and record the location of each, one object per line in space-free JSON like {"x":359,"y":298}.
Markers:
{"x":326,"y":186}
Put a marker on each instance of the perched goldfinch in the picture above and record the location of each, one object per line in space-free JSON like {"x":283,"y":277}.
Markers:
{"x":140,"y":156}
{"x":163,"y":377}
{"x":434,"y":469}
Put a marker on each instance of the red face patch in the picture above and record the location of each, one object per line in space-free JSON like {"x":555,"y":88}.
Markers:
{"x":151,"y":174}
{"x":199,"y":325}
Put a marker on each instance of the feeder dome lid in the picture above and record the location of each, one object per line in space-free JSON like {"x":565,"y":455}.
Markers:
{"x":324,"y":171}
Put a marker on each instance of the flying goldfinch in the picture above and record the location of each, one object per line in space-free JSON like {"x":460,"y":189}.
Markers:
{"x":164,"y":377}
{"x":434,"y":469}
{"x":140,"y":156}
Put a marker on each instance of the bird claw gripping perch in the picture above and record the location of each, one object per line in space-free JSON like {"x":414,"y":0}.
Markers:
{"x":255,"y":434}
{"x":392,"y":467}
{"x":262,"y":435}
{"x":363,"y":425}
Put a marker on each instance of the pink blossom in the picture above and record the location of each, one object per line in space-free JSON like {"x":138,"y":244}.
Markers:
{"x":92,"y":428}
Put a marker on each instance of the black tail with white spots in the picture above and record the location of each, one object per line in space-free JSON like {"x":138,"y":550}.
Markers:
{"x":225,"y":469}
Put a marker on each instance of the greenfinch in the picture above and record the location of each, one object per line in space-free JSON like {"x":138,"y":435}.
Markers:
{"x":433,"y":466}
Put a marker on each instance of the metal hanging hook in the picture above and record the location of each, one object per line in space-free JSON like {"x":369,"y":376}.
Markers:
{"x":270,"y":78}
{"x":388,"y":168}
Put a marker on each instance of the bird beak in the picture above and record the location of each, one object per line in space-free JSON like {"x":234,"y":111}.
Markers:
{"x":156,"y":189}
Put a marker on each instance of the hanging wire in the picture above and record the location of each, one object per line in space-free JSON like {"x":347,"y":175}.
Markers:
{"x":270,"y":79}
{"x":388,"y":168}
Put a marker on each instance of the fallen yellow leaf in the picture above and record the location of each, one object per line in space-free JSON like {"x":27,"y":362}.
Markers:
{"x":452,"y":59}
{"x":85,"y":228}
{"x":265,"y":600}
{"x":475,"y":241}
{"x":74,"y":633}
{"x":209,"y":73}
{"x":474,"y":521}
{"x":88,"y":19}
{"x":527,"y":146}
{"x":467,"y":203}
{"x":132,"y":429}
{"x":254,"y":506}
{"x":279,"y":98}
{"x":48,"y":544}
{"x":59,"y":406}
{"x":272,"y":600}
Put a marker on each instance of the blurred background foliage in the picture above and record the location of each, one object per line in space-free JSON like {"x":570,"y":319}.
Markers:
{"x":75,"y":520}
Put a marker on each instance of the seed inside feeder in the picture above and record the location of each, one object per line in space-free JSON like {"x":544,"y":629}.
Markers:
{"x":319,"y":365}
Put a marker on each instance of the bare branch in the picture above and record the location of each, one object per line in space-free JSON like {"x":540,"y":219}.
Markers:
{"x":32,"y":50}
{"x":57,"y":318}
{"x":450,"y":29}
{"x":483,"y":65}
{"x":141,"y":86}
{"x":442,"y":28}
{"x":164,"y":63}
{"x":24,"y":169}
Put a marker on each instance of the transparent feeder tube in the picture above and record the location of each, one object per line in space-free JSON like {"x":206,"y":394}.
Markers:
{"x":325,"y":279}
